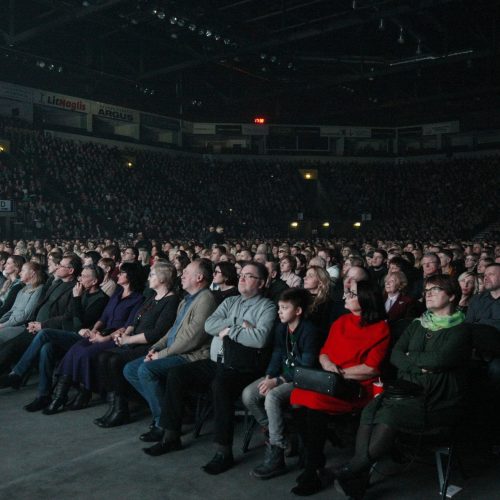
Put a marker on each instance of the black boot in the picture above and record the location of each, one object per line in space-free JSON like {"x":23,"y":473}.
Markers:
{"x":352,"y":484}
{"x":59,"y":396}
{"x":82,"y":399}
{"x":119,"y":415}
{"x":273,"y":465}
{"x":110,"y":399}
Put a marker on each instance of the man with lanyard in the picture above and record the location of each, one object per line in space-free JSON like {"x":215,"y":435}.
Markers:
{"x":246,"y":319}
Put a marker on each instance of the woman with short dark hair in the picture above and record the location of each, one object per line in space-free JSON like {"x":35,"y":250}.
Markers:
{"x":226,"y":279}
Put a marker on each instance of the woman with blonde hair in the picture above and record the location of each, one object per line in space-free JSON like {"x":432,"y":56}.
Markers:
{"x":317,"y":282}
{"x":469,"y":286}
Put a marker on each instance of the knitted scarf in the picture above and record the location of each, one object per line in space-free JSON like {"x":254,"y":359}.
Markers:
{"x":433,"y":322}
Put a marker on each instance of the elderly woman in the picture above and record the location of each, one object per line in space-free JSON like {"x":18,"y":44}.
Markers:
{"x":153,"y":319}
{"x":356,"y":346}
{"x":432,"y":353}
{"x":398,"y":305}
{"x":288,"y":264}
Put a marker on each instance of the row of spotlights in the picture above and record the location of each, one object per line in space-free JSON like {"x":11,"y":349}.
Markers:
{"x":179,"y":21}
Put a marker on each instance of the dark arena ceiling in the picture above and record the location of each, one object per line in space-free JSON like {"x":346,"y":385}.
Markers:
{"x":292,"y":61}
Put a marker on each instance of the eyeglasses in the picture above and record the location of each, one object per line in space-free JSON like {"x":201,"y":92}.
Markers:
{"x":217,"y":272}
{"x":248,"y":276}
{"x":65,"y":267}
{"x":433,"y":290}
{"x":349,"y":294}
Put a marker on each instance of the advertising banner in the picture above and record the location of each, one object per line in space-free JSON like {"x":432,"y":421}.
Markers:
{"x":61,"y":101}
{"x":115,"y":112}
{"x":16,"y":92}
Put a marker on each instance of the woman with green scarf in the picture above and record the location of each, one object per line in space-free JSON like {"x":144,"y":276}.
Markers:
{"x":433,"y":353}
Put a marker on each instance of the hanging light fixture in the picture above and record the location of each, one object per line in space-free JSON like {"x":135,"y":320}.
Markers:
{"x":401,"y":38}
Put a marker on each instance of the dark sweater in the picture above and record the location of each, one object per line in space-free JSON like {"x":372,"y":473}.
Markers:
{"x":303,"y":352}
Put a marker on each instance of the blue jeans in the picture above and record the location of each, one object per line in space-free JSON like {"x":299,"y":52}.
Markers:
{"x":148,"y":378}
{"x":44,"y":345}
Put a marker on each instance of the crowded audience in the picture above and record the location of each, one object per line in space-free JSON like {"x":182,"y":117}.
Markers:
{"x":150,"y":291}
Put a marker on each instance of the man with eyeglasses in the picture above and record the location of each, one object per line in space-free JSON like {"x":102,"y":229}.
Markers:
{"x":247,"y":320}
{"x":130,"y":254}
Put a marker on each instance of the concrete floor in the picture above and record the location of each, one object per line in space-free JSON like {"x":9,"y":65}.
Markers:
{"x":65,"y":456}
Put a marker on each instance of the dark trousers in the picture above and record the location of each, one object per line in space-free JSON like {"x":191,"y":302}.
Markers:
{"x":313,"y":428}
{"x":197,"y":377}
{"x":12,"y":350}
{"x":227,"y":385}
{"x":110,"y":366}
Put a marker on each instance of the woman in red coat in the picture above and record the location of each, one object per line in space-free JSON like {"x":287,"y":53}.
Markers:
{"x":356,"y":346}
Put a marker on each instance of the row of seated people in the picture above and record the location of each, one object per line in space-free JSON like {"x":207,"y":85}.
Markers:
{"x":211,"y":338}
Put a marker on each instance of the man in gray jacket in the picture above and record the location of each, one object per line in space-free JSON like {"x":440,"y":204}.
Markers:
{"x":246,"y":320}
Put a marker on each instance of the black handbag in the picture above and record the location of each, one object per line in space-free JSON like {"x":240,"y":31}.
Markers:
{"x":241,"y":357}
{"x":401,"y":389}
{"x":324,"y":382}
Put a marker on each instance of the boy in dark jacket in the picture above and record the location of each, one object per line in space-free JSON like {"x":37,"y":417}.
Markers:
{"x":295,"y":344}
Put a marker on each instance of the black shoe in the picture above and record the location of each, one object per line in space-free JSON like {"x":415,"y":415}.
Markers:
{"x":155,"y":434}
{"x":11,"y":380}
{"x":221,"y":462}
{"x":38,"y":404}
{"x":116,"y":419}
{"x":82,"y":400}
{"x":273,"y":465}
{"x":163,"y":447}
{"x":308,"y":483}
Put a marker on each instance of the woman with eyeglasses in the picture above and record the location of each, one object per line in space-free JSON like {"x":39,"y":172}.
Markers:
{"x":226,"y":279}
{"x":433,"y":353}
{"x":355,"y":348}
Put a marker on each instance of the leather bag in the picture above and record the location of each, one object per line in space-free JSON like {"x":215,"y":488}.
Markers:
{"x":329,"y":383}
